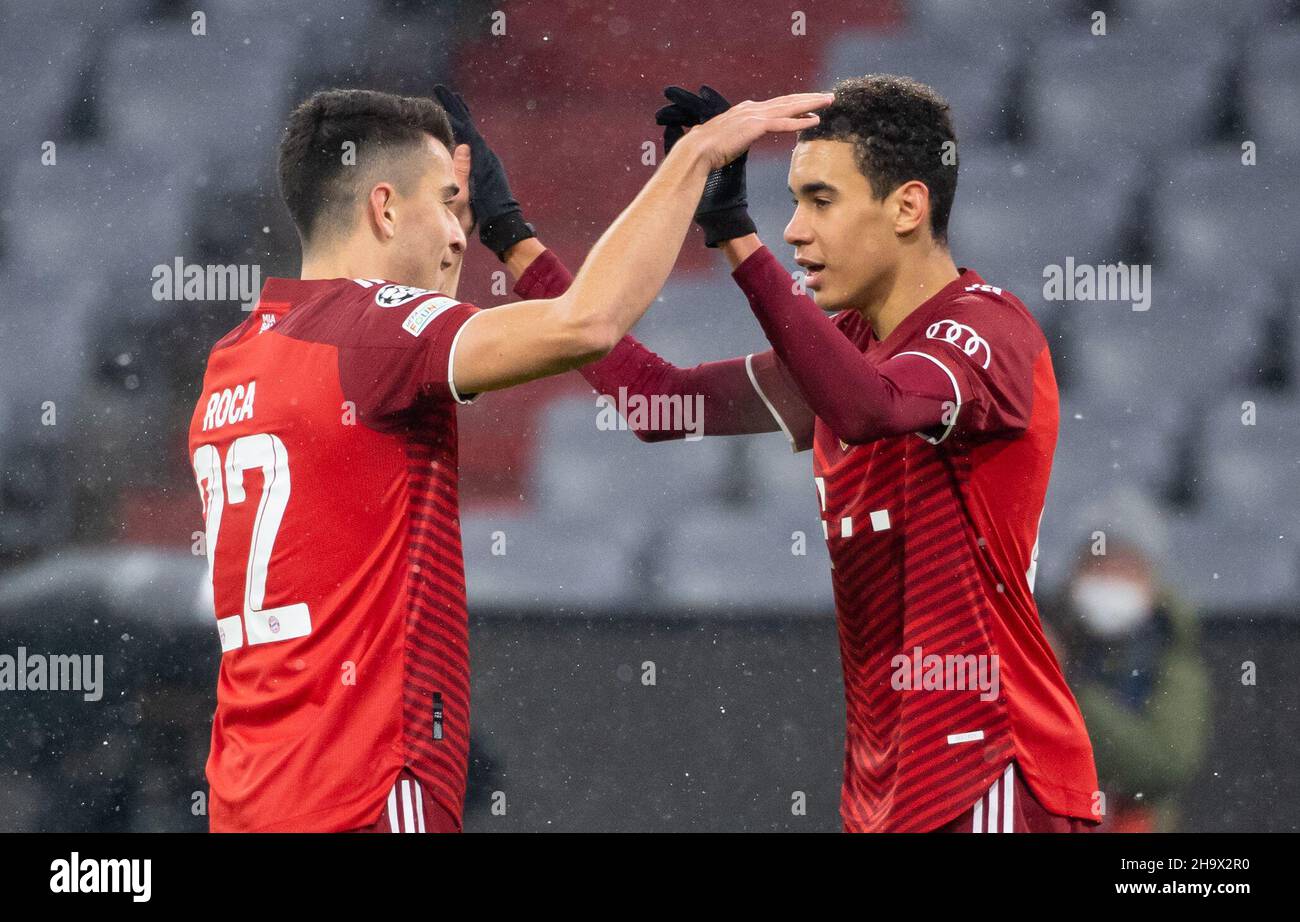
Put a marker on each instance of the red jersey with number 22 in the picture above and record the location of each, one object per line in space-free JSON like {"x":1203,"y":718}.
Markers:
{"x":324,"y":444}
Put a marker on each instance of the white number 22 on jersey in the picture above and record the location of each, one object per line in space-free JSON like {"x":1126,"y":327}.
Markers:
{"x":250,"y":452}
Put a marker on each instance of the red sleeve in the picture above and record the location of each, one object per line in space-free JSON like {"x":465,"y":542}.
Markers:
{"x":741,"y":395}
{"x":988,"y":343}
{"x":859,"y":400}
{"x":396,"y":357}
{"x":779,"y":391}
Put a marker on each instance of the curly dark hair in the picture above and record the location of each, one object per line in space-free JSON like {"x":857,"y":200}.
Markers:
{"x":315,"y":182}
{"x":898,"y":128}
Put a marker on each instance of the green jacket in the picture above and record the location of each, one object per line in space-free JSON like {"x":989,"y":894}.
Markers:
{"x":1147,"y":749}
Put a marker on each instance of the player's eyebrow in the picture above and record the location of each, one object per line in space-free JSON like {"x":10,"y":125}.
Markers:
{"x":812,"y":188}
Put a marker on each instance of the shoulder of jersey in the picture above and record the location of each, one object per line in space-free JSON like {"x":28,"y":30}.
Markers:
{"x":417,"y":307}
{"x":987,"y":297}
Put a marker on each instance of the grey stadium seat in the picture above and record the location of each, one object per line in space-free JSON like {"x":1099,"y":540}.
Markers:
{"x":54,"y":16}
{"x":993,"y":23}
{"x":220,"y":99}
{"x":1198,"y":335}
{"x":723,"y":559}
{"x":1018,"y":211}
{"x":1100,"y":452}
{"x":38,"y":82}
{"x":975,"y":79}
{"x":777,"y":477}
{"x":702,"y":317}
{"x":1095,"y":94}
{"x":770,"y":205}
{"x":98,"y":211}
{"x":1213,"y":211}
{"x":1101,"y":448}
{"x":586,"y":474}
{"x":1251,"y":473}
{"x":1179,"y":18}
{"x":1271,"y":92}
{"x":528,"y":562}
{"x":45,"y":320}
{"x":1227,"y":565}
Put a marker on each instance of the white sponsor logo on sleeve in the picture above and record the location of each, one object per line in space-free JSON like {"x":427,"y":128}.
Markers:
{"x":424,"y":314}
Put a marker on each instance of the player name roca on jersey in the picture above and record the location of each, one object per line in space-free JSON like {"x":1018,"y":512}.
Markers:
{"x":324,"y":447}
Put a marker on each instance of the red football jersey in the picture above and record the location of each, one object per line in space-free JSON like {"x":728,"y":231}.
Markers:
{"x":324,"y":444}
{"x":933,"y":540}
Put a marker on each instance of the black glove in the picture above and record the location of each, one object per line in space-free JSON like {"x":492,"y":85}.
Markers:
{"x":500,"y":220}
{"x":723,"y":212}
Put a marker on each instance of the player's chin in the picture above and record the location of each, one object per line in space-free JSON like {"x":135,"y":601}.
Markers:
{"x":825,"y":300}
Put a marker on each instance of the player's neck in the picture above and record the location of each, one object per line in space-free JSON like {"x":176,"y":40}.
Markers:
{"x":340,"y":262}
{"x":915,"y":282}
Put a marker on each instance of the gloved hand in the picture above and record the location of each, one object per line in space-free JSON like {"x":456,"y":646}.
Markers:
{"x":500,"y":219}
{"x":723,"y":212}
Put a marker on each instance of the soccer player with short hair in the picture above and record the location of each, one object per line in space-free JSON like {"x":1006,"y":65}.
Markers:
{"x":928,"y":399}
{"x":324,"y":445}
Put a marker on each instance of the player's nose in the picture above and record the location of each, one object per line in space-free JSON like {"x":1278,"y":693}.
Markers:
{"x":456,"y":238}
{"x":797,"y":232}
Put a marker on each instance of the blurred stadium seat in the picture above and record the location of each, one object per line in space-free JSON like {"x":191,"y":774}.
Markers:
{"x":1198,"y":335}
{"x":39,"y":82}
{"x":605,"y":477}
{"x":98,"y":212}
{"x":218,"y":100}
{"x":702,"y":317}
{"x":1210,"y":15}
{"x":1251,"y":466}
{"x":720,"y":558}
{"x":535,"y":563}
{"x":44,"y":334}
{"x":1020,"y":18}
{"x":976,"y":83}
{"x":1271,"y":92}
{"x":1002,"y":194}
{"x":778,"y":478}
{"x":1212,"y":209}
{"x":770,"y":202}
{"x":1093,"y":95}
{"x":1230,"y":565}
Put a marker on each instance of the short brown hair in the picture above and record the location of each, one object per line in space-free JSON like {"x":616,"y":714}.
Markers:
{"x":898,"y":128}
{"x":314,"y":181}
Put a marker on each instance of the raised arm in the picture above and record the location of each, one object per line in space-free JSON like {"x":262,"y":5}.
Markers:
{"x":744,"y":395}
{"x":626,"y":268}
{"x":857,"y":400}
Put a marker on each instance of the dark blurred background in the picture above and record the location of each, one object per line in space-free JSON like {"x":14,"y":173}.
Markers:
{"x":648,"y":653}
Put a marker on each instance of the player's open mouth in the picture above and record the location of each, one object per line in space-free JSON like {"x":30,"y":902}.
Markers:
{"x":812,"y":273}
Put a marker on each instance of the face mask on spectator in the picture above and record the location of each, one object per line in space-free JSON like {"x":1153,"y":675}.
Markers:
{"x":1109,"y":605}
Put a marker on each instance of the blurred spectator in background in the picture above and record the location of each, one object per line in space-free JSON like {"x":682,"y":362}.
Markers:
{"x":1131,"y":653}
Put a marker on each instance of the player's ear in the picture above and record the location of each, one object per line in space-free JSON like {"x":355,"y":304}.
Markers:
{"x":381,"y":210}
{"x":912,"y":201}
